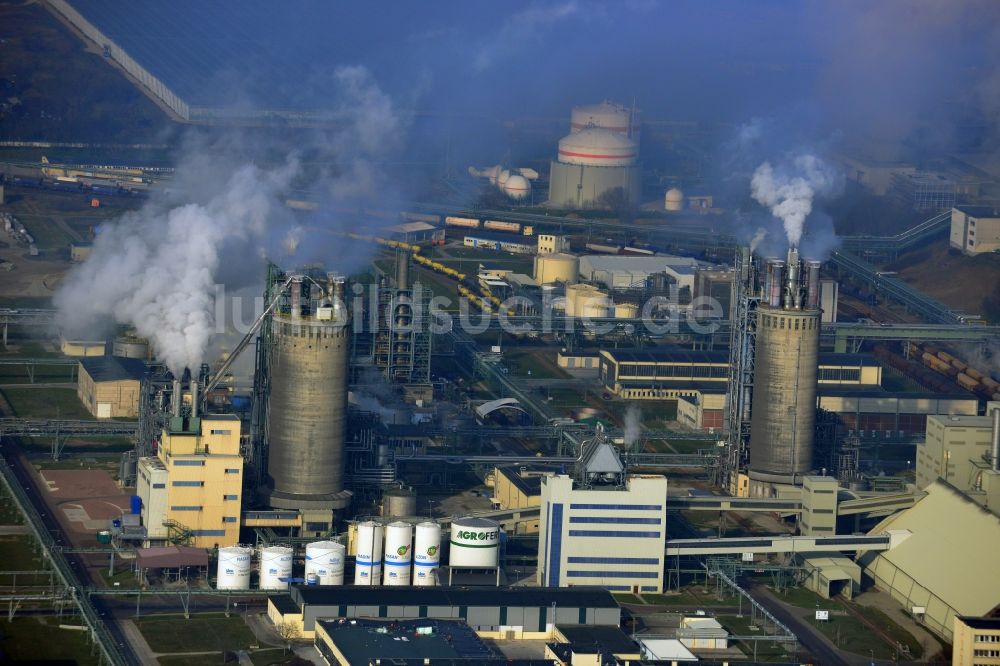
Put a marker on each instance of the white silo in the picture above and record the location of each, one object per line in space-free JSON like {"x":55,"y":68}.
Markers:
{"x":398,"y":554}
{"x":426,"y":553}
{"x":593,"y":164}
{"x":475,"y":543}
{"x":368,"y":562}
{"x":607,"y":115}
{"x":673,"y":200}
{"x":325,"y":559}
{"x":234,"y":568}
{"x":275,"y":567}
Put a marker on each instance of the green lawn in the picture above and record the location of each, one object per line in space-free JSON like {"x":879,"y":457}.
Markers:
{"x":537,"y":362}
{"x":803,"y":598}
{"x":28,"y":348}
{"x":891,"y":629}
{"x":688,"y":597}
{"x":46,"y":403}
{"x":9,"y":513}
{"x":17,"y":553}
{"x":201,"y":633}
{"x":623,"y":598}
{"x":739,"y":625}
{"x":852,"y":635}
{"x":268,"y":657}
{"x":213,"y":659}
{"x":40,"y":374}
{"x":39,"y":639}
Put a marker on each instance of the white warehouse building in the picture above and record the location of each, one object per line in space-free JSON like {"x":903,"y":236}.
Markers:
{"x":624,"y":272}
{"x":602,"y":527}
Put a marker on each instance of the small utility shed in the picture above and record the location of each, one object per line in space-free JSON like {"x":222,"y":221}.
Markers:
{"x":943,"y":560}
{"x":831,"y":574}
{"x":108,"y":386}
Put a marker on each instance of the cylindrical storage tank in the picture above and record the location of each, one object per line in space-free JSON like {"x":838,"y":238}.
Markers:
{"x":129,"y":346}
{"x":306,"y":411}
{"x":234,"y":568}
{"x":673,"y":200}
{"x":597,"y":147}
{"x":368,"y":562}
{"x":326,"y":559}
{"x":399,"y":502}
{"x":426,"y":553}
{"x":607,"y":115}
{"x":556,"y":267}
{"x":398,"y":554}
{"x":275,"y":565}
{"x":586,"y":300}
{"x":475,"y":543}
{"x":626,"y":311}
{"x":784,"y":395}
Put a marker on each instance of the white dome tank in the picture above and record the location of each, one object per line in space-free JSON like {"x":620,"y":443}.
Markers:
{"x":426,"y":554}
{"x":556,"y":267}
{"x":368,"y":562}
{"x":586,"y":300}
{"x":275,"y":564}
{"x":517,"y":187}
{"x":608,"y":115}
{"x":398,"y":554}
{"x":674,"y":200}
{"x":234,"y":568}
{"x":326,"y":559}
{"x":597,"y":147}
{"x":475,"y":543}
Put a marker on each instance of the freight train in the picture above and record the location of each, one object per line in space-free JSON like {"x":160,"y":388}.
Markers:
{"x":478,"y":294}
{"x":965,"y":375}
{"x":493,"y":225}
{"x":78,"y":186}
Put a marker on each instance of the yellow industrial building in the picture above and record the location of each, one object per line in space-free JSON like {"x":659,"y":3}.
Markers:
{"x":957,"y":449}
{"x":192,"y":489}
{"x":108,"y":386}
{"x":519,"y":487}
{"x":976,"y":641}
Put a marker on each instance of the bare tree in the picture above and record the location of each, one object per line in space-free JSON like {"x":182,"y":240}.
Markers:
{"x":288,"y":631}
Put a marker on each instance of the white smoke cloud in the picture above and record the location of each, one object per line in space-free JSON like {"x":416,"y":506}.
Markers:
{"x":757,"y":239}
{"x":790,"y":189}
{"x":157,"y":270}
{"x":633,"y":426}
{"x":523,"y":28}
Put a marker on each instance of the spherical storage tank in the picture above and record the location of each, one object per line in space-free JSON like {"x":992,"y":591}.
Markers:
{"x":673,"y":200}
{"x":517,"y":187}
{"x":398,"y":554}
{"x":556,"y":267}
{"x":368,"y":562}
{"x":234,"y":568}
{"x":426,"y":553}
{"x":275,"y":565}
{"x":475,"y":543}
{"x":325,"y":559}
{"x":597,"y":147}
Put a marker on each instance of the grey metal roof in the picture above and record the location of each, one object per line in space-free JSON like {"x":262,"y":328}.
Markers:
{"x":349,"y":595}
{"x":113,"y":368}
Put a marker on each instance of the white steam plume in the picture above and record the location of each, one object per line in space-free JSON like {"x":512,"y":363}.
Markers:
{"x":757,"y":239}
{"x":789,"y":190}
{"x":155,"y":270}
{"x":633,"y":426}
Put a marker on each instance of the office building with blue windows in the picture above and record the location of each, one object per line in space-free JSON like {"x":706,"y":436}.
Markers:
{"x":603,"y":527}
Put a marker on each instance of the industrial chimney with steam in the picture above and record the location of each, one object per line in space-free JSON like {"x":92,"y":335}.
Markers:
{"x":307,"y":401}
{"x":786,"y":362}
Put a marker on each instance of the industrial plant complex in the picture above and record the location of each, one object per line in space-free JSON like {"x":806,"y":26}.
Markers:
{"x":596,"y":403}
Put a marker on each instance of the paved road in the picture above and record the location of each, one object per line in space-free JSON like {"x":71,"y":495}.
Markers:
{"x":825,"y":654}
